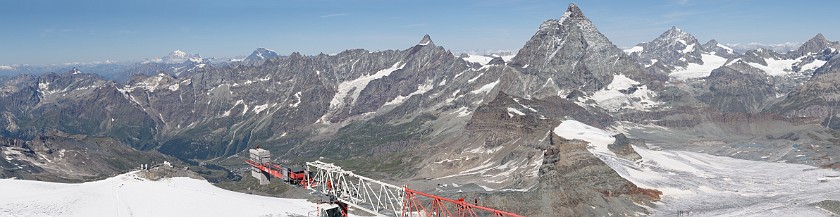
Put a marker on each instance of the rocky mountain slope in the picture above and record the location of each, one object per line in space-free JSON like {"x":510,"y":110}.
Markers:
{"x":425,"y":117}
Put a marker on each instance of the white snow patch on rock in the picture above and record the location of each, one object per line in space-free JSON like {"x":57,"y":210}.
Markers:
{"x":813,"y":65}
{"x":480,"y":59}
{"x":694,"y":70}
{"x":728,"y":49}
{"x":612,"y":99}
{"x":514,"y":111}
{"x":260,"y":108}
{"x":420,"y":90}
{"x":359,"y":84}
{"x":486,"y":88}
{"x":775,"y":67}
{"x":634,"y":49}
{"x":463,"y":111}
{"x":297,"y":97}
{"x":174,"y":87}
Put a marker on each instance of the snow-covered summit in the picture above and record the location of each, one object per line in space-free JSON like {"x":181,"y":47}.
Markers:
{"x":260,"y":55}
{"x":673,"y":48}
{"x":178,"y":54}
{"x":176,"y":57}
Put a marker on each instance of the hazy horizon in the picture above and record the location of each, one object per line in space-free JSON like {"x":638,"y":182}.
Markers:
{"x":45,"y":32}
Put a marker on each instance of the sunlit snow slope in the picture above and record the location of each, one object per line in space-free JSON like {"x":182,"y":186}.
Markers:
{"x":129,"y":195}
{"x":699,"y":184}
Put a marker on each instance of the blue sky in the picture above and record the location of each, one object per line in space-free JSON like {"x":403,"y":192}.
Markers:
{"x":50,"y":32}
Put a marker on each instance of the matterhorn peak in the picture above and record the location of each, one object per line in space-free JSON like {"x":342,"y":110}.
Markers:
{"x":574,"y":10}
{"x":573,"y":13}
{"x":427,"y":40}
{"x":574,"y":54}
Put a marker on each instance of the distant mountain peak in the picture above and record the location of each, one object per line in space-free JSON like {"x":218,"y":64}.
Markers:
{"x":574,"y":10}
{"x":677,"y":34}
{"x":673,"y":49}
{"x":820,"y":37}
{"x":675,"y":29}
{"x":260,"y":55}
{"x":427,"y":40}
{"x":814,"y":45}
{"x":719,"y":49}
{"x":178,"y":54}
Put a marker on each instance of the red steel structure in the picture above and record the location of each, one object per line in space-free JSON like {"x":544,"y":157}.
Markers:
{"x":375,"y":196}
{"x":266,"y":168}
{"x":441,"y":206}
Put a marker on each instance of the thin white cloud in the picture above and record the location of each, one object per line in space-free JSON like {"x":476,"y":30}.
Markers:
{"x":334,"y":15}
{"x":2,"y":67}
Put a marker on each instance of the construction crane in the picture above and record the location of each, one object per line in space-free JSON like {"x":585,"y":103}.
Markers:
{"x":347,"y":189}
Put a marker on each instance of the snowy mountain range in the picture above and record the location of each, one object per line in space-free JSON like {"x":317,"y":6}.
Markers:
{"x":174,"y":63}
{"x":779,"y":48}
{"x":570,"y":120}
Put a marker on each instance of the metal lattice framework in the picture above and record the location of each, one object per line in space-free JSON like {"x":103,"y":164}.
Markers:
{"x":385,"y":199}
{"x":441,"y":206}
{"x":358,"y":191}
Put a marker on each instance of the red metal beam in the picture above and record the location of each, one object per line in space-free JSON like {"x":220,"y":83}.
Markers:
{"x":438,"y":207}
{"x":411,"y":203}
{"x":265,"y":168}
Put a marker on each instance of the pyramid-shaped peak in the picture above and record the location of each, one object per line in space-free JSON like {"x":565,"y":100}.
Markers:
{"x":676,"y":34}
{"x":574,"y":10}
{"x":572,"y":13}
{"x":819,"y":37}
{"x":675,"y":29}
{"x":427,"y":40}
{"x":818,"y":43}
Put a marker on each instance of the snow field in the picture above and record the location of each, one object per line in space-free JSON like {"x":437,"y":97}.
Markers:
{"x":708,"y":185}
{"x":130,"y":195}
{"x":693,"y":70}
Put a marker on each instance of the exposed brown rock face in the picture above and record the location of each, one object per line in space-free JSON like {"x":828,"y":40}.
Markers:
{"x":573,"y":182}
